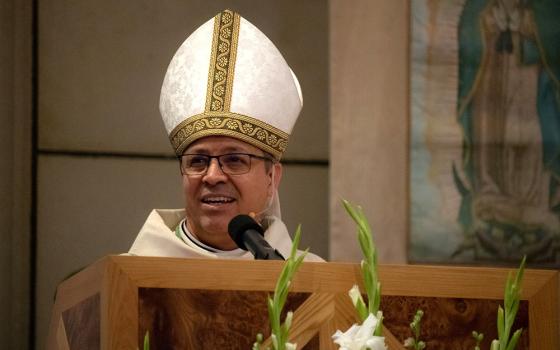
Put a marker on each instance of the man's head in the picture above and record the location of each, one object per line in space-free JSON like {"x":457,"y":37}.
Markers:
{"x":214,"y":196}
{"x":228,"y":90}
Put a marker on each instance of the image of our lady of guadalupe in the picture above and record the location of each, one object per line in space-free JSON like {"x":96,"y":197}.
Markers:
{"x":509,"y":112}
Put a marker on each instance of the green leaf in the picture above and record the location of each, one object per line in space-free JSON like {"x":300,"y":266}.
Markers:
{"x":377,"y":297}
{"x":500,"y":322}
{"x":514,"y":339}
{"x":520,"y":273}
{"x":506,"y":315}
{"x":277,"y":302}
{"x":379,"y":327}
{"x":275,"y":342}
{"x":369,"y":263}
{"x":362,"y":310}
{"x":147,"y":341}
{"x":295,"y":243}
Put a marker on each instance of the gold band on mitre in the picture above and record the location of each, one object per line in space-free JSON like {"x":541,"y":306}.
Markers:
{"x":222,"y":61}
{"x":242,"y":127}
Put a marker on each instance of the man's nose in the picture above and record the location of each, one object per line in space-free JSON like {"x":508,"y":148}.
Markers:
{"x":214,"y":173}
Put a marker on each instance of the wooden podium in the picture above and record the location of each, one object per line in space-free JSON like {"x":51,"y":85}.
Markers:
{"x":221,"y":304}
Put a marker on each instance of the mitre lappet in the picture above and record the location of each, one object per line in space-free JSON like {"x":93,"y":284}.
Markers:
{"x":228,"y":79}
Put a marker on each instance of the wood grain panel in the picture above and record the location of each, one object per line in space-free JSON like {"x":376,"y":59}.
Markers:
{"x":82,"y":324}
{"x":205,"y":319}
{"x":544,"y":313}
{"x":308,"y":319}
{"x":190,"y":294}
{"x":119,"y":310}
{"x":72,"y":291}
{"x":61,"y":337}
{"x":403,"y":280}
{"x":448,"y":322}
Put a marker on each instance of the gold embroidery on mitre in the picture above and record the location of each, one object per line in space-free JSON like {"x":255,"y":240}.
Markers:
{"x":222,"y":62}
{"x":242,"y":127}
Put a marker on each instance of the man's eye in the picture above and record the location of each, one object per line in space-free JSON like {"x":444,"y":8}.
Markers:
{"x":233,"y":159}
{"x":197,"y":161}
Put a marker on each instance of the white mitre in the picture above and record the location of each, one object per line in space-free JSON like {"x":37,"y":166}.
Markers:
{"x":229,"y":79}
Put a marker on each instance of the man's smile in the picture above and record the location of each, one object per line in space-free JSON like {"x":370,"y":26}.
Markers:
{"x":217,"y":199}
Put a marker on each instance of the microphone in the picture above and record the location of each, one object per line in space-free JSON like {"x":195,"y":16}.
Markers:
{"x":248,"y":235}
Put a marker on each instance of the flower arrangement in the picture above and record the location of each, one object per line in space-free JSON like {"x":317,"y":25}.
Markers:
{"x":367,"y":336}
{"x":506,"y":316}
{"x":276,"y":303}
{"x":415,"y":342}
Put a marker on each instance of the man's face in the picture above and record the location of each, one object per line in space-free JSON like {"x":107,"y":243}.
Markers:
{"x":214,"y":198}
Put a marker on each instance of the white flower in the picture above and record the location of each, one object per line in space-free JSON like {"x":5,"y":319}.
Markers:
{"x":360,"y":337}
{"x":288,"y":346}
{"x":288,"y":321}
{"x":291,"y":346}
{"x":409,"y":342}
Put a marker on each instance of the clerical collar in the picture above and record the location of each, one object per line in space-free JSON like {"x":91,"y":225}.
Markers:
{"x":186,"y":236}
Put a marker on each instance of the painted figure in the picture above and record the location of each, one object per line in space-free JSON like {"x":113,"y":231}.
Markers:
{"x":509,"y":111}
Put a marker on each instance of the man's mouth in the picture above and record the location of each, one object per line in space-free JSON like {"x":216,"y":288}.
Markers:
{"x":217,"y":200}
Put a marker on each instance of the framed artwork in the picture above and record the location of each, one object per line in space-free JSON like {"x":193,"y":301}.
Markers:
{"x":485,"y":131}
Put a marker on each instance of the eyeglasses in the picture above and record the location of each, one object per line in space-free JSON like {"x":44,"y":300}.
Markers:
{"x":231,"y":163}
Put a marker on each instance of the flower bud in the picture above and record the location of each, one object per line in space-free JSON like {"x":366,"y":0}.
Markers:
{"x":409,"y":342}
{"x":288,"y":321}
{"x":291,"y":346}
{"x":355,"y":294}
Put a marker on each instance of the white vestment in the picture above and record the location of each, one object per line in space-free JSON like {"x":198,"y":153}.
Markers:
{"x":158,"y":238}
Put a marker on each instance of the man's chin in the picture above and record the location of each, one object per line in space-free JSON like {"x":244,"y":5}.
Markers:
{"x":212,"y":225}
{"x":216,"y":226}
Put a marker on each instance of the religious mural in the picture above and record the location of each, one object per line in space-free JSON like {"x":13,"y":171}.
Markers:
{"x":485,"y":131}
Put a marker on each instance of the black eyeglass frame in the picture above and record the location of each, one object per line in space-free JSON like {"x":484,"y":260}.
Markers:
{"x":209,"y":160}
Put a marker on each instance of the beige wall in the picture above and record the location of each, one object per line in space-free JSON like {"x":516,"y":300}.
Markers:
{"x":369,"y":124}
{"x":101,"y":68}
{"x":15,"y":172}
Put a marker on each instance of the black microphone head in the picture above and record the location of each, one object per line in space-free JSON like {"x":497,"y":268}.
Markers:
{"x":239,"y":225}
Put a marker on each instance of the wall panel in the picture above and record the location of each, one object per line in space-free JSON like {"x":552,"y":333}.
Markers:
{"x":369,"y":124}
